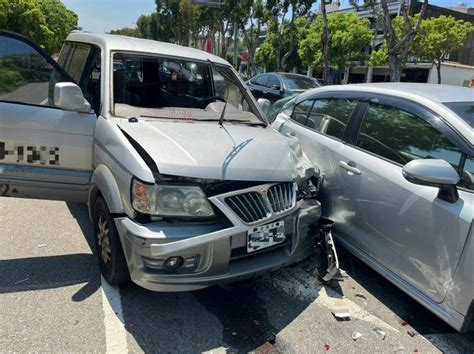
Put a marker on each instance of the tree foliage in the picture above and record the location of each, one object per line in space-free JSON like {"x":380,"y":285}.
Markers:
{"x":46,"y":22}
{"x":439,"y":36}
{"x":348,"y":35}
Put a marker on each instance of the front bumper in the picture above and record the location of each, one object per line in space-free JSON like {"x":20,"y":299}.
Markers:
{"x":214,"y":253}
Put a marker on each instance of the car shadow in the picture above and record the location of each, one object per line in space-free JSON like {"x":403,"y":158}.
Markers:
{"x":407,"y":309}
{"x":48,"y":272}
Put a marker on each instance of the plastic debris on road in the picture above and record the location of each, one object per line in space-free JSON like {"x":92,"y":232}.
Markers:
{"x":362,"y":296}
{"x":379,"y":331}
{"x":21,"y":281}
{"x":340,"y":310}
{"x":327,"y":347}
{"x":411,"y":333}
{"x":356,"y":335}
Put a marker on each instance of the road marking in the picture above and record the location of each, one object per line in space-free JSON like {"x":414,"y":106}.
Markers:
{"x":115,"y":333}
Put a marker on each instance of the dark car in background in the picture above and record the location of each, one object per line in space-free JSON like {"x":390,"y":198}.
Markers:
{"x":274,"y":86}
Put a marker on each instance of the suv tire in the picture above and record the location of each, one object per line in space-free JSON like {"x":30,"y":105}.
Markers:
{"x":113,"y":265}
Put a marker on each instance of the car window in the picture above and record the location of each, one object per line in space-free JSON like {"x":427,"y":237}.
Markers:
{"x":278,"y":106}
{"x":295,"y":82}
{"x":262,"y":80}
{"x":273,"y":82}
{"x":301,"y":111}
{"x":467,"y":179}
{"x":330,"y":116}
{"x":25,"y":74}
{"x":91,"y":84}
{"x":402,"y":137}
{"x":465,"y":110}
{"x":78,"y":58}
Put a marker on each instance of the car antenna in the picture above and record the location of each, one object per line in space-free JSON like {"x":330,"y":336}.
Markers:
{"x":221,"y":119}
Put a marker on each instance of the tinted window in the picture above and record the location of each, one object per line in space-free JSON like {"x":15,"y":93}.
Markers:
{"x":25,"y":74}
{"x":301,"y":111}
{"x":295,"y":82}
{"x":401,"y":137}
{"x":273,"y":82}
{"x":278,"y":106}
{"x":467,"y":180}
{"x":463,"y":109}
{"x":77,"y":61}
{"x":262,"y":80}
{"x":91,"y":84}
{"x":330,"y":116}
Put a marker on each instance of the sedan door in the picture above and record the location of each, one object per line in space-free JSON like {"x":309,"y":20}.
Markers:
{"x":320,"y":124}
{"x":45,"y":151}
{"x":399,"y":226}
{"x":274,"y":87}
{"x":258,"y":86}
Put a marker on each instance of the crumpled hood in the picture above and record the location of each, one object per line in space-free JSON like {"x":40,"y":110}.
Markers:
{"x":207,"y":150}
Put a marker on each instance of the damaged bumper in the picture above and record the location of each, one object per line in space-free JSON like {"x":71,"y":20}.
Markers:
{"x":214,"y":252}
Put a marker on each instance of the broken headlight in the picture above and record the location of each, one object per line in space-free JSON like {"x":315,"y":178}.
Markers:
{"x":170,"y":200}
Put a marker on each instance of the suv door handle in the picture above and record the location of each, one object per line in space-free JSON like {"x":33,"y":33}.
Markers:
{"x":349,"y":166}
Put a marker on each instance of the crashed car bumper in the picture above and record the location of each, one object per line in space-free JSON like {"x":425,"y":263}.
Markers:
{"x":212,"y":252}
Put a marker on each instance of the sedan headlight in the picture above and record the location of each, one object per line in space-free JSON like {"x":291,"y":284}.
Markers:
{"x":170,"y":200}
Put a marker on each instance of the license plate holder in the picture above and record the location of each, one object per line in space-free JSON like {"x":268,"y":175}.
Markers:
{"x":265,"y":236}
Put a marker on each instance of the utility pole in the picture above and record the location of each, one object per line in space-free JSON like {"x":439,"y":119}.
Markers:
{"x":236,"y":40}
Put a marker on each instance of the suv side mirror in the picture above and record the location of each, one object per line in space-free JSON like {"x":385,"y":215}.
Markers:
{"x":434,"y":173}
{"x":68,"y":95}
{"x":264,"y":105}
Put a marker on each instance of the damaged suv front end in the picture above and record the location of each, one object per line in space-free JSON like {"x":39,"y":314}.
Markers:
{"x":230,"y":198}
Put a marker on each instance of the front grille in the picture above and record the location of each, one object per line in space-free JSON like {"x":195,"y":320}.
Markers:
{"x":249,"y":206}
{"x":281,"y":196}
{"x":253,"y":206}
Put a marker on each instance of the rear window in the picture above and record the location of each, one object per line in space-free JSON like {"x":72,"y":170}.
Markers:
{"x":299,"y":82}
{"x":465,"y":110}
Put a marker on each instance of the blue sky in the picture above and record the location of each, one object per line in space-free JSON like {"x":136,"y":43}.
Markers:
{"x":104,"y":15}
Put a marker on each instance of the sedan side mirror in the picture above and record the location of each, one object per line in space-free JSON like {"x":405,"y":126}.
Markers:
{"x":68,"y":95}
{"x":264,"y":105}
{"x":434,"y":173}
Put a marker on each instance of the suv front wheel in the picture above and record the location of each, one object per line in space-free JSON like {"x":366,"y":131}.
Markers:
{"x":108,"y":246}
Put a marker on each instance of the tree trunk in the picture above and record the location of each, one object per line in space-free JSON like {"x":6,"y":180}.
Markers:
{"x":346,"y":75}
{"x":310,"y":71}
{"x":394,"y":64}
{"x":370,"y":74}
{"x":438,"y":69}
{"x":325,"y":41}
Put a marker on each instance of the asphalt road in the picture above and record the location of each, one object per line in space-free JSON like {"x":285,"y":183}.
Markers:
{"x":52,"y":299}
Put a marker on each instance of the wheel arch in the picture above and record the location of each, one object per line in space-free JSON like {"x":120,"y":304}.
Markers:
{"x":103,"y":184}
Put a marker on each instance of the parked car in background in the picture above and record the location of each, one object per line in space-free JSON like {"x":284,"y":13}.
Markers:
{"x":186,"y":184}
{"x":274,"y":86}
{"x":398,"y":165}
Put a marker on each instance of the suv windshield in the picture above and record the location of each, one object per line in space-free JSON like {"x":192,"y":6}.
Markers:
{"x":296,"y":82}
{"x":465,"y":110}
{"x":158,"y":87}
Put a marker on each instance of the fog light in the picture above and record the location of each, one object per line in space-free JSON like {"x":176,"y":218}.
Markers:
{"x":173,"y":263}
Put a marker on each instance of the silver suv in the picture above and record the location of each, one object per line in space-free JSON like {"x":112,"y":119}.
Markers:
{"x":186,"y":183}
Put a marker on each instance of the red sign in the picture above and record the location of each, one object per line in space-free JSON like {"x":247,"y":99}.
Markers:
{"x":209,"y":46}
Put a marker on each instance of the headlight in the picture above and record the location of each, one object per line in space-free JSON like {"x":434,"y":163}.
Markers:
{"x":170,"y":200}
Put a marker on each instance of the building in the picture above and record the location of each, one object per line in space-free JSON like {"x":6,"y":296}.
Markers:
{"x":459,"y":67}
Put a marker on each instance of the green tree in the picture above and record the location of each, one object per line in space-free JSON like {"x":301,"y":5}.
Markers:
{"x":127,"y":31}
{"x":46,"y":22}
{"x":348,"y":36}
{"x":397,"y":43}
{"x":439,"y":36}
